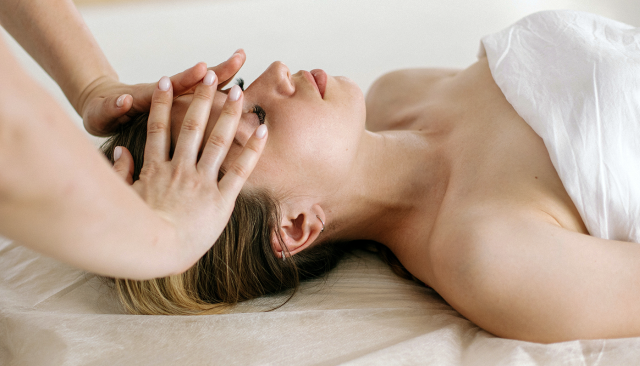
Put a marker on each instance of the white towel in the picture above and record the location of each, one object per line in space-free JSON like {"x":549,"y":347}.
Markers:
{"x":575,"y":79}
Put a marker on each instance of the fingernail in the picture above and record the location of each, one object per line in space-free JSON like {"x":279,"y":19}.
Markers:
{"x":164,"y":84}
{"x":261,"y":131}
{"x":117,"y":153}
{"x":234,"y":93}
{"x":120,"y":100}
{"x":209,"y":78}
{"x":235,"y":53}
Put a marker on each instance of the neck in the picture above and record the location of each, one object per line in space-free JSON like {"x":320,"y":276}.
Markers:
{"x":393,"y":192}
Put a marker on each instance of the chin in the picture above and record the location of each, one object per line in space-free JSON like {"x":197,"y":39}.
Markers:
{"x":349,"y":82}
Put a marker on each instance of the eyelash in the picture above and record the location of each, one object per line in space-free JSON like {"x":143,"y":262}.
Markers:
{"x":259,"y":111}
{"x":240,"y":83}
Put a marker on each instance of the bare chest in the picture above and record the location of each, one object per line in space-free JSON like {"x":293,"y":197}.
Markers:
{"x":495,"y":159}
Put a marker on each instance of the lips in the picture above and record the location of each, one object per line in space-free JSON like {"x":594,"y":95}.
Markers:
{"x":320,"y":78}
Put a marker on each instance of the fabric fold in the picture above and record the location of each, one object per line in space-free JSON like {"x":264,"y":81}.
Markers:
{"x":574,"y":77}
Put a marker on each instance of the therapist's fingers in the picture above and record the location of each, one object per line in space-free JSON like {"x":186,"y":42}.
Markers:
{"x":195,"y":121}
{"x":235,"y":177}
{"x":225,"y":71}
{"x":115,"y":106}
{"x":228,"y":69}
{"x":217,"y":145}
{"x":159,"y":123}
{"x":188,"y":79}
{"x":123,"y":107}
{"x":123,"y":164}
{"x":109,"y":103}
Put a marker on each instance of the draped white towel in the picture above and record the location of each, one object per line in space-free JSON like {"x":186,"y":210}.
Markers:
{"x":575,"y":79}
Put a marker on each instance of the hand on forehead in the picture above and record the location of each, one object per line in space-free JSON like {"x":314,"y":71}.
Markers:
{"x":179,"y":109}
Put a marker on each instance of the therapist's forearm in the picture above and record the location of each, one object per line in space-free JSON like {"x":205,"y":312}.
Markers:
{"x":55,"y":35}
{"x":58,"y":196}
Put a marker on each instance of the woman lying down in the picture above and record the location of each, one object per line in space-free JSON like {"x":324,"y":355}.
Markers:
{"x":512,"y":188}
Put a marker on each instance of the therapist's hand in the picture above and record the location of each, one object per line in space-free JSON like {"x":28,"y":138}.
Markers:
{"x":185,"y":190}
{"x":107,"y":103}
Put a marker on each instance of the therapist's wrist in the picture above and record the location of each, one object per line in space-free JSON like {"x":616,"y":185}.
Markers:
{"x":175,"y":256}
{"x":155,"y":254}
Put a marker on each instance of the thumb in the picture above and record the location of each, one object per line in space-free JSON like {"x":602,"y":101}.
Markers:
{"x":102,"y":114}
{"x":117,"y":105}
{"x":123,"y":165}
{"x":187,"y":80}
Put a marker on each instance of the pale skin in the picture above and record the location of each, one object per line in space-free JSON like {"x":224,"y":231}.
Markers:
{"x":60,"y":197}
{"x":438,"y":166}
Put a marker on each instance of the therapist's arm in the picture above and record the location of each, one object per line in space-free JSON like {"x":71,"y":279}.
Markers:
{"x":59,"y":196}
{"x":55,"y":35}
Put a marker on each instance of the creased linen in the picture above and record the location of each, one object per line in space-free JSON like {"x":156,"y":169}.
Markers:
{"x":361,"y":314}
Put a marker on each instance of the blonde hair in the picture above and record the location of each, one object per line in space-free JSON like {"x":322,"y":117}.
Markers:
{"x":240,"y":265}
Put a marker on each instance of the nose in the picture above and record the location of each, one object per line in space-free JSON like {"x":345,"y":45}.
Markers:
{"x":282,"y":78}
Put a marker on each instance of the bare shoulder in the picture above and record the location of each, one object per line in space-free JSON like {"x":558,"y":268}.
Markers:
{"x":397,"y":93}
{"x":520,"y":276}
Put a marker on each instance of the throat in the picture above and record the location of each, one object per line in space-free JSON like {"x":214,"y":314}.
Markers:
{"x":395,"y":193}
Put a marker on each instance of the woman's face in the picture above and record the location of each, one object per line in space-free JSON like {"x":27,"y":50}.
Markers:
{"x":315,"y":122}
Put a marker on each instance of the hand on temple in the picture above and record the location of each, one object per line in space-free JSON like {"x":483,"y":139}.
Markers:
{"x":185,"y":190}
{"x":184,"y":204}
{"x":106,"y":103}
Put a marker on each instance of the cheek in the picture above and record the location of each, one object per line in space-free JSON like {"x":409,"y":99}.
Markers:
{"x":293,"y":156}
{"x":321,"y":132}
{"x":268,"y":173}
{"x":309,"y":141}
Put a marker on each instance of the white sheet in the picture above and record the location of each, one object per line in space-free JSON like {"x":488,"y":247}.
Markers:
{"x":361,"y":314}
{"x":575,"y":78}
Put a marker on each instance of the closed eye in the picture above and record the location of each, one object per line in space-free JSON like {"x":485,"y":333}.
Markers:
{"x":260,"y":113}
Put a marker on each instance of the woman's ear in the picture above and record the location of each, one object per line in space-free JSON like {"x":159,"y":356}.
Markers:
{"x":298,"y":229}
